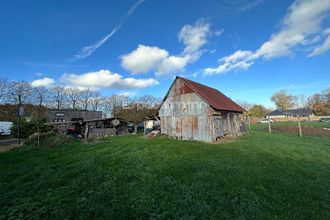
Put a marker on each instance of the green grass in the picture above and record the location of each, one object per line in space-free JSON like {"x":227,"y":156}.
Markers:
{"x":258,"y":176}
{"x":304,"y":123}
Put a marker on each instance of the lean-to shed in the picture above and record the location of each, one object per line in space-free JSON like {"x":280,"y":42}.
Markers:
{"x":192,"y":111}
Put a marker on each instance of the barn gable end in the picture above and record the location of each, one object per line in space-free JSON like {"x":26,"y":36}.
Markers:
{"x":187,"y":114}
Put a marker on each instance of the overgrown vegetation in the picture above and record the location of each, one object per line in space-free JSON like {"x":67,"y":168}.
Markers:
{"x":49,"y":139}
{"x":258,"y":176}
{"x":29,"y":128}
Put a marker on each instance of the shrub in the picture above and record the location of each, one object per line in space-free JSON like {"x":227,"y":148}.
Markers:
{"x":49,"y":139}
{"x":29,"y":128}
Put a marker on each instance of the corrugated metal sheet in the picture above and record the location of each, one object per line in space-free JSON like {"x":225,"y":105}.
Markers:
{"x":186,"y":115}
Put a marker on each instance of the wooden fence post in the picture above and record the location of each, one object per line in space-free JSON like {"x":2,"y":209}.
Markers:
{"x":299,"y":128}
{"x":269,"y":127}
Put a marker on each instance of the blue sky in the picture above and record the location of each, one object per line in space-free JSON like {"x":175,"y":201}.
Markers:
{"x":246,"y":49}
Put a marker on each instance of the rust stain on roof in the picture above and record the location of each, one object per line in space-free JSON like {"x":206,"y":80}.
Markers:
{"x":213,"y":97}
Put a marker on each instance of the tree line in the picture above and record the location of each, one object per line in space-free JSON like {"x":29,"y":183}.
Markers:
{"x":14,"y":93}
{"x":318,"y":102}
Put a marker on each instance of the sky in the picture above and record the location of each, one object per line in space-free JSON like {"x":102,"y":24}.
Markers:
{"x":247,"y":49}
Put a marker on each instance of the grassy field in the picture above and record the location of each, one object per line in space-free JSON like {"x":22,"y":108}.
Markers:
{"x":305,"y":123}
{"x":258,"y":176}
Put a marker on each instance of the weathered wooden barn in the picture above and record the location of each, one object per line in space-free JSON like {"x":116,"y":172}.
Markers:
{"x":192,"y":111}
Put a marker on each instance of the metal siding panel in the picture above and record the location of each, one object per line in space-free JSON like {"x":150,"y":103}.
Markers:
{"x":187,"y":127}
{"x":190,"y":118}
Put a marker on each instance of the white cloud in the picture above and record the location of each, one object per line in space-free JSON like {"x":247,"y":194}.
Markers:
{"x":322,"y":48}
{"x":43,"y":82}
{"x":228,"y":66}
{"x":143,"y":59}
{"x":194,"y":36}
{"x":172,"y":64}
{"x":304,"y":20}
{"x":301,"y":27}
{"x":150,"y":58}
{"x":238,"y":55}
{"x":236,"y":61}
{"x":105,"y":79}
{"x":146,"y":58}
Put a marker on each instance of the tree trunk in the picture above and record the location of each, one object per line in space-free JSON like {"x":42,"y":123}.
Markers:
{"x":38,"y":130}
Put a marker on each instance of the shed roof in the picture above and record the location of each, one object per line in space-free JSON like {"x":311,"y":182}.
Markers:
{"x":108,"y":119}
{"x":213,"y":97}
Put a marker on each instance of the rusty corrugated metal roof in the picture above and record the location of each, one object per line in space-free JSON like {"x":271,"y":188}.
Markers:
{"x":213,"y":97}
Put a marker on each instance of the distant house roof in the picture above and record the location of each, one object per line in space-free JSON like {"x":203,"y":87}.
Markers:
{"x":292,"y":112}
{"x":213,"y":97}
{"x":276,"y":112}
{"x":300,"y":112}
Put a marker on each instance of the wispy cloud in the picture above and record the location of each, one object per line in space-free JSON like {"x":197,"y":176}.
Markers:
{"x":89,"y":50}
{"x":303,"y":27}
{"x":251,"y":5}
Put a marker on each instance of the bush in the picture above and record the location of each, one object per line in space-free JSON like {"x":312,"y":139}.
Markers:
{"x":49,"y":139}
{"x":29,"y":128}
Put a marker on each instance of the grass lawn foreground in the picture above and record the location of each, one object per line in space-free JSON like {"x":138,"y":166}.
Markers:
{"x":257,"y":176}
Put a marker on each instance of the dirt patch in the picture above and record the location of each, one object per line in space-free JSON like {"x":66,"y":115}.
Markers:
{"x":306,"y":130}
{"x":7,"y":148}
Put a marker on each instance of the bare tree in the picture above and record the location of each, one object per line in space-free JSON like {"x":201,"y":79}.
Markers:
{"x":326,"y":96}
{"x":283,"y":100}
{"x":74,"y":97}
{"x":19,"y":92}
{"x":4,"y":88}
{"x":244,"y":104}
{"x":40,"y":97}
{"x":137,"y":111}
{"x":113,"y":102}
{"x":314,"y":100}
{"x":96,"y":101}
{"x":302,"y":102}
{"x":85,"y":98}
{"x":57,"y":97}
{"x":149,"y":101}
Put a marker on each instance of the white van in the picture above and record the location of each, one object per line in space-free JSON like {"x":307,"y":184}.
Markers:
{"x":5,"y":127}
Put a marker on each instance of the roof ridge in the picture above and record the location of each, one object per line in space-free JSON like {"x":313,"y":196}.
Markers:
{"x":199,"y":83}
{"x":230,"y":104}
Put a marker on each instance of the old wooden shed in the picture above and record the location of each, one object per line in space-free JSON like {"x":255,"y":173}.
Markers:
{"x":192,"y":111}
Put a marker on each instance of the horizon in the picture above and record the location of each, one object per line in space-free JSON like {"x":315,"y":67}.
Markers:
{"x":248,"y":50}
